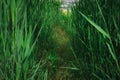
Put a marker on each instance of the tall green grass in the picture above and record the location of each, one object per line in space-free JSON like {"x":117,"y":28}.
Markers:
{"x":97,"y":25}
{"x":23,"y":25}
{"x":16,"y":41}
{"x":31,"y":46}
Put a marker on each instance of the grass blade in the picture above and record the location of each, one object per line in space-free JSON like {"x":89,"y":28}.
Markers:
{"x":96,"y":26}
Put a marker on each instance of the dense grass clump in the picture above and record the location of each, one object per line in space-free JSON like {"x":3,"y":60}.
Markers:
{"x":97,"y":39}
{"x":30,"y":33}
{"x":39,"y":41}
{"x":21,"y":23}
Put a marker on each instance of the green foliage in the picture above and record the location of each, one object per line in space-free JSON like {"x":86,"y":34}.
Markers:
{"x":21,"y":23}
{"x":96,"y":44}
{"x":39,"y":42}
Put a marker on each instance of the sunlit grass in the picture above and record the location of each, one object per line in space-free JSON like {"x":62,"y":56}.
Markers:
{"x":66,"y":12}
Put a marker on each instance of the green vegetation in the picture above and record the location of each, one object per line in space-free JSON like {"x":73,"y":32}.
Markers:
{"x":40,"y":42}
{"x":98,"y":40}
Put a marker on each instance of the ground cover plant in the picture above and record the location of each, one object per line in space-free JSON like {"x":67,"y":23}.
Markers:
{"x":40,"y":42}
